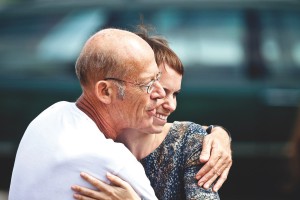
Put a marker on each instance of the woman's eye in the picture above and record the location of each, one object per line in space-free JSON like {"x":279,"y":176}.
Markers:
{"x":175,"y":94}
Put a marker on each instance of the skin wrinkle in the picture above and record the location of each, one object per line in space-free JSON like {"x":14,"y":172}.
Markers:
{"x":131,"y":94}
{"x":89,"y":107}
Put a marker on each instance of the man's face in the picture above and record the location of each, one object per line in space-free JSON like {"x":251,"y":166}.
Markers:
{"x":137,"y":109}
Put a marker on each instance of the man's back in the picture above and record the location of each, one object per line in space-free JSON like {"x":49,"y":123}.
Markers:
{"x":60,"y":143}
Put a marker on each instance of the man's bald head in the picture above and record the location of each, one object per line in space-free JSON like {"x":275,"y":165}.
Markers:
{"x":111,"y":53}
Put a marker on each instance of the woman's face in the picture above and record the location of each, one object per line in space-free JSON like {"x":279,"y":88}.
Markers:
{"x":171,"y":83}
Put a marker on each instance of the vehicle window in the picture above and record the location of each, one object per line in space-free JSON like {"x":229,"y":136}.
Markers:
{"x":40,"y":44}
{"x":216,"y":41}
{"x":65,"y":40}
{"x":19,"y":36}
{"x":210,"y":41}
{"x":200,"y":38}
{"x":281,"y":41}
{"x":204,"y":38}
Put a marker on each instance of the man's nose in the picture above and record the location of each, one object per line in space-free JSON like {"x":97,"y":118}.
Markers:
{"x":158,"y":91}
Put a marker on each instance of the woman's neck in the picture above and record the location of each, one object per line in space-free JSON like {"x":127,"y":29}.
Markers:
{"x":142,"y":144}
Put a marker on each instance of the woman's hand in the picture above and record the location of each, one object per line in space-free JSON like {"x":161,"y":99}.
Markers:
{"x":118,"y":190}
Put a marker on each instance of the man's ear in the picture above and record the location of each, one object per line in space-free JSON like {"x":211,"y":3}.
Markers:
{"x":103,"y":91}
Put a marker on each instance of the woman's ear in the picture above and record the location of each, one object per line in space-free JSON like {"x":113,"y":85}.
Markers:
{"x":103,"y":91}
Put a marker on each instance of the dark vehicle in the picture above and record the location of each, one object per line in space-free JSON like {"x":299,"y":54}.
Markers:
{"x":242,"y":65}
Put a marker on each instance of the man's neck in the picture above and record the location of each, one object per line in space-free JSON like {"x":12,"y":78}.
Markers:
{"x":90,"y":108}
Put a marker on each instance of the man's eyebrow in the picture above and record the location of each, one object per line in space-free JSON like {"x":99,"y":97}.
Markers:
{"x":150,"y":76}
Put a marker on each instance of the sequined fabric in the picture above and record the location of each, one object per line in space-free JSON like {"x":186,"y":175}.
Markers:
{"x":172,"y":167}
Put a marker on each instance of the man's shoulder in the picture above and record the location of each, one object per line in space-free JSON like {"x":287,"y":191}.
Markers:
{"x":54,"y":109}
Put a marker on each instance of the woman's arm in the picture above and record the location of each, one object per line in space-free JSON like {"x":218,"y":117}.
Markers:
{"x":119,"y":190}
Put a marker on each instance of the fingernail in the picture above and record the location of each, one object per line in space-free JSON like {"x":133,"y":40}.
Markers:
{"x":108,"y":174}
{"x":83,"y":174}
{"x":200,"y":184}
{"x":206,"y":186}
{"x":76,"y":196}
{"x":204,"y":157}
{"x":75,"y":188}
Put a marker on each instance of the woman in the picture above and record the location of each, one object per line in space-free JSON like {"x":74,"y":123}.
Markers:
{"x":171,"y":159}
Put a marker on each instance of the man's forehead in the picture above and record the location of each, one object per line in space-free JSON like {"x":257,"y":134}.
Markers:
{"x":148,"y":73}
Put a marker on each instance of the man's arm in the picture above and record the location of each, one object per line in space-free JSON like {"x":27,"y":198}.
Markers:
{"x":192,"y":165}
{"x":217,"y":156}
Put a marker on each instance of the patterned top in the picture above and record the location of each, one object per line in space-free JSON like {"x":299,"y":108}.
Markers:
{"x":172,"y":167}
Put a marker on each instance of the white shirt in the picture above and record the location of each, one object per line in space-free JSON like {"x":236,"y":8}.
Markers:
{"x":59,"y":144}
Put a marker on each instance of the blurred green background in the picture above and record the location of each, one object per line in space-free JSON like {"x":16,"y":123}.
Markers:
{"x":242,"y":61}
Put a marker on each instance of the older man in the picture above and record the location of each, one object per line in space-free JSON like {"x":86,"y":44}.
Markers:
{"x":69,"y":137}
